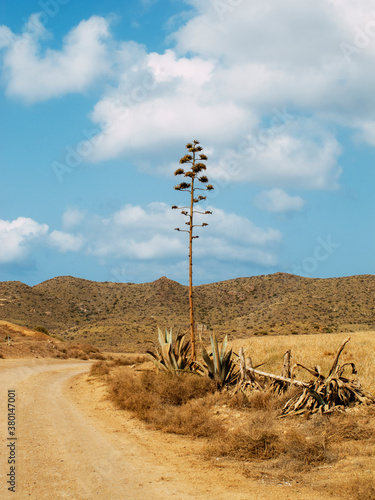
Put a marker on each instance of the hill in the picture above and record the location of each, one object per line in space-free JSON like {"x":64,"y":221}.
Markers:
{"x":124,"y":316}
{"x":21,"y":342}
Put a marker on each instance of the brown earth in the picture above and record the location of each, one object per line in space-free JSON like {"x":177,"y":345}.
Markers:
{"x":72,"y":443}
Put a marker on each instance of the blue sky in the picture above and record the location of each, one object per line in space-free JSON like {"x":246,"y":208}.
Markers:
{"x":98,"y":100}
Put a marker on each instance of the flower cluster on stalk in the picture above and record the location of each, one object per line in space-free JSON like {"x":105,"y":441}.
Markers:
{"x":194,"y":174}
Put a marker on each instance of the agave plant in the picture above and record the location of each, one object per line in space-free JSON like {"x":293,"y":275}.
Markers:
{"x":219,"y":364}
{"x":172,"y":356}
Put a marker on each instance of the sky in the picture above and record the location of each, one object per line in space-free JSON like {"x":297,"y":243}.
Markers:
{"x":98,"y":100}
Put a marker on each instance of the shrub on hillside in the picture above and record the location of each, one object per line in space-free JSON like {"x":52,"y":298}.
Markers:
{"x":41,"y":329}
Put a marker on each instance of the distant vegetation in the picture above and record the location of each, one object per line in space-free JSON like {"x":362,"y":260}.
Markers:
{"x":124,"y":316}
{"x":41,"y":329}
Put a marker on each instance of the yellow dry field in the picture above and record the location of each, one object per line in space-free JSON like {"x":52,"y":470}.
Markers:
{"x":311,"y":350}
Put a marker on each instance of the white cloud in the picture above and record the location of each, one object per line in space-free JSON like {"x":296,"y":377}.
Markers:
{"x":143,"y":237}
{"x":35,"y":75}
{"x":6,"y":37}
{"x":145,"y":233}
{"x":299,"y":155}
{"x":72,"y":217}
{"x":230,"y":74}
{"x":230,"y":237}
{"x":161,"y":101}
{"x":18,"y":236}
{"x":277,"y":200}
{"x":239,"y":229}
{"x":248,"y":66}
{"x":367,"y":132}
{"x":65,"y":242}
{"x":276,"y":32}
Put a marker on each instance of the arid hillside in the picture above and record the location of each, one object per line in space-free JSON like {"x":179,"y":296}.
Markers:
{"x":21,"y":342}
{"x":124,"y":316}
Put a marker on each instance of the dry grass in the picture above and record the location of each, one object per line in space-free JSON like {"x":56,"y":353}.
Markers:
{"x":107,"y":363}
{"x":285,"y":445}
{"x":67,"y":350}
{"x":361,"y":487}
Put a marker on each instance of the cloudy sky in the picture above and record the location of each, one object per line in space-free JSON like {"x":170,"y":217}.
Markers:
{"x":98,"y":100}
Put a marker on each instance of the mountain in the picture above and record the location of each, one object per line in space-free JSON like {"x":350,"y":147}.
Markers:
{"x":118,"y":316}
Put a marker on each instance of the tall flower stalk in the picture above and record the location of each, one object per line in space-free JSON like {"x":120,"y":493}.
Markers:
{"x":196,"y":182}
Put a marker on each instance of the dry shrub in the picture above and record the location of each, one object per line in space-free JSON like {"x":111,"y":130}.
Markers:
{"x":193,"y":418}
{"x":131,"y":359}
{"x":129,"y":391}
{"x":256,"y":440}
{"x":173,"y":403}
{"x":259,"y":400}
{"x":107,"y":363}
{"x":77,"y":351}
{"x":349,"y":428}
{"x":246,"y":444}
{"x":174,"y":390}
{"x":77,"y":354}
{"x":237,"y":401}
{"x":99,"y":356}
{"x":303,"y":452}
{"x":101,"y":368}
{"x":263,"y":400}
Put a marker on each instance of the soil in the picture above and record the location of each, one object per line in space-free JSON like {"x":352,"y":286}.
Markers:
{"x":72,"y":443}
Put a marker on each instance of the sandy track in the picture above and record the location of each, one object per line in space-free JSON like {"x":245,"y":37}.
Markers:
{"x":73,"y":444}
{"x":61,"y":454}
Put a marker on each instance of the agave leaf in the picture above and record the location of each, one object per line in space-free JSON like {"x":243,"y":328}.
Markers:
{"x":215,"y":353}
{"x":169,"y":336}
{"x":166,"y":356}
{"x":174,"y":356}
{"x":227,"y":367}
{"x":316,"y":396}
{"x":161,"y":366}
{"x":207,"y":360}
{"x":161,"y":336}
{"x":219,"y":364}
{"x":179,"y":338}
{"x":224,"y":347}
{"x":154,"y":356}
{"x":173,"y":360}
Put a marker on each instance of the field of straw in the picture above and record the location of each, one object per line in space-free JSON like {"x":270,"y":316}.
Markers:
{"x":311,"y":350}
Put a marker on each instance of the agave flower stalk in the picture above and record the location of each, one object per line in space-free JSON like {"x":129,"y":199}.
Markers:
{"x":195,"y":158}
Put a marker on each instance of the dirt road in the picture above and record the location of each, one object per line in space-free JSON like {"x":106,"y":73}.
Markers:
{"x":71,"y":443}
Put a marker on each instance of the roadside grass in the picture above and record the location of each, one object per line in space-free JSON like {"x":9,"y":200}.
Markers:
{"x":178,"y":404}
